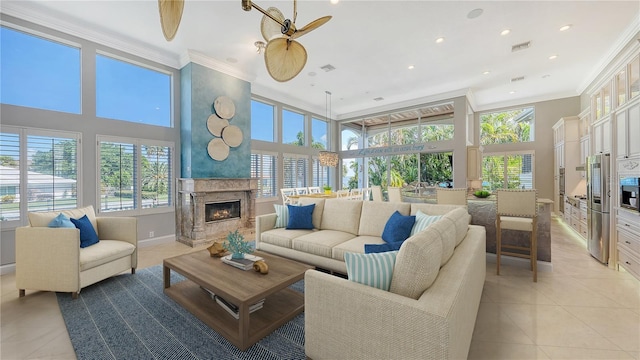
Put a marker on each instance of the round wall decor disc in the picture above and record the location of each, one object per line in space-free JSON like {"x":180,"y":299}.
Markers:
{"x":216,"y":124}
{"x":224,"y":107}
{"x":217,"y":149}
{"x":232,"y":135}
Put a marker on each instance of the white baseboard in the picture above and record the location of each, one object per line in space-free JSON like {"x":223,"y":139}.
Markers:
{"x":543,"y":266}
{"x":7,"y":269}
{"x":156,"y":241}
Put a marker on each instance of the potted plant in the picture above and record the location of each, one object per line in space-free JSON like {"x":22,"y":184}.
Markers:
{"x":236,"y":245}
{"x":327,"y":189}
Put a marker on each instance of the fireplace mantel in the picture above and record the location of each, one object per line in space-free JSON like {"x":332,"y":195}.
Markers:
{"x":194,"y":194}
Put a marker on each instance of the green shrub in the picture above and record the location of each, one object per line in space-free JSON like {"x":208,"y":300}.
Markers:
{"x":7,"y":199}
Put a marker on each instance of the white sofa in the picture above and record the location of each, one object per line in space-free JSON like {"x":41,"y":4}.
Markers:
{"x":51,"y":259}
{"x":348,"y":320}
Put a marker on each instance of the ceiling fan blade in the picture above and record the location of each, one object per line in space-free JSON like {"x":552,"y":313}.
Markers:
{"x":284,"y":58}
{"x":311,"y":26}
{"x":170,"y":15}
{"x":268,"y":27}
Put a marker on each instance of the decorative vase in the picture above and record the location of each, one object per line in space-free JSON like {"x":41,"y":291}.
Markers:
{"x":237,"y":255}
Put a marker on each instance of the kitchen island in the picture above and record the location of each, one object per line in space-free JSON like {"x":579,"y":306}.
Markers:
{"x":483,"y":212}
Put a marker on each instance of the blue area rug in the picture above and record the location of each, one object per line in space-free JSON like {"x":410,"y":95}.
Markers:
{"x":129,"y":317}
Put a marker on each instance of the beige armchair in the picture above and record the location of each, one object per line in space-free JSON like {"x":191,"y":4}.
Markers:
{"x":50,"y":259}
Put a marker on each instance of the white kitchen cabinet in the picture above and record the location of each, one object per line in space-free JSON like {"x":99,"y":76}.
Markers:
{"x":584,"y":153}
{"x":567,"y":155}
{"x":602,"y":136}
{"x":628,"y":235}
{"x":627,"y":131}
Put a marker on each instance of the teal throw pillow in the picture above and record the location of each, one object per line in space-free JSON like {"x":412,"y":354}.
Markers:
{"x":378,"y":248}
{"x":423,"y":221}
{"x":61,"y":221}
{"x":373,"y":270}
{"x":300,"y":217}
{"x":88,"y":235}
{"x":398,"y":227}
{"x":282,"y":215}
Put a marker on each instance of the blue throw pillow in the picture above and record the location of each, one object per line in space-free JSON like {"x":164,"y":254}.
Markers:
{"x":61,"y":221}
{"x":373,"y":270}
{"x":378,"y":248}
{"x":88,"y":234}
{"x":300,"y":217}
{"x":398,"y":227}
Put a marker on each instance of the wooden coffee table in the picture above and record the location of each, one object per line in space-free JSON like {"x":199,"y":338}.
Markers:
{"x":240,"y":287}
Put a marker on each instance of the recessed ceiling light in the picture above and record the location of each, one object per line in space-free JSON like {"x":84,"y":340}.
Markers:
{"x":474,"y":13}
{"x":486,"y":72}
{"x":411,"y":67}
{"x":334,"y":1}
{"x":312,"y":73}
{"x":566,"y":27}
{"x":505,"y":32}
{"x":553,"y":57}
{"x":439,"y":40}
{"x":545,"y":76}
{"x":512,"y":92}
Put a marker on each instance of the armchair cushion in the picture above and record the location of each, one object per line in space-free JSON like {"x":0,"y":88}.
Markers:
{"x":61,"y":221}
{"x":88,"y":235}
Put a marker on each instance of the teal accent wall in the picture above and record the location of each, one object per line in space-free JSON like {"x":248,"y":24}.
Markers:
{"x":200,"y":86}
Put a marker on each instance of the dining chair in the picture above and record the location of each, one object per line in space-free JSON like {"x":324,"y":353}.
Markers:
{"x":342,"y":194}
{"x":376,"y":192}
{"x":451,"y":196}
{"x":355,"y":194}
{"x":366,"y":194}
{"x":517,"y":210}
{"x":286,"y":192}
{"x":394,"y":194}
{"x":314,"y":190}
{"x":302,"y":191}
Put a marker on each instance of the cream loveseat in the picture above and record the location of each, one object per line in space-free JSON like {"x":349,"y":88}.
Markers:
{"x":442,"y":268}
{"x":51,"y":259}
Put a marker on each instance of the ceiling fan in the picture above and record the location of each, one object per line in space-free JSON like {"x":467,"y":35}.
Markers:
{"x":284,"y":56}
{"x":170,"y":15}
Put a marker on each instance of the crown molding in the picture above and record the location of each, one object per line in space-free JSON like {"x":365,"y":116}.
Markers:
{"x":526,"y":101}
{"x":22,"y":11}
{"x":214,"y":64}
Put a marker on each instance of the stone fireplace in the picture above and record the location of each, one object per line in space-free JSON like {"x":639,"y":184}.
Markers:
{"x":210,"y":208}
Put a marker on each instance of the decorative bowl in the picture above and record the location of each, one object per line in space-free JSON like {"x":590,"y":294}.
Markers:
{"x":481,"y":194}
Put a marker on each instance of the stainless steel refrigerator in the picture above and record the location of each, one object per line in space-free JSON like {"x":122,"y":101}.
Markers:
{"x":598,"y":205}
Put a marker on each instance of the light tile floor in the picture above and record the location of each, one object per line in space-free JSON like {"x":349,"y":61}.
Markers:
{"x":581,"y":310}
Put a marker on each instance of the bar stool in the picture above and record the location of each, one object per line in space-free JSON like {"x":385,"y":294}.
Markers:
{"x":517,"y":210}
{"x":451,"y":196}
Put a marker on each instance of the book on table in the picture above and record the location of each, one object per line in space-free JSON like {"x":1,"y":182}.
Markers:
{"x":231,"y":308}
{"x":244,"y":264}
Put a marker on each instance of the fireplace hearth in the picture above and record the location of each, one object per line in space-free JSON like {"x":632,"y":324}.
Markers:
{"x":210,"y":208}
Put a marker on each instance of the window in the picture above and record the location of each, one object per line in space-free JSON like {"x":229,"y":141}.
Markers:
{"x":129,"y":92}
{"x":263,"y":167}
{"x":294,"y":170}
{"x":134,"y":174}
{"x":512,"y":126}
{"x":320,"y":176}
{"x":262,"y":120}
{"x":508,"y":171}
{"x":41,"y":176}
{"x":293,"y":128}
{"x":350,"y":137}
{"x":27,"y":62}
{"x":319,"y":134}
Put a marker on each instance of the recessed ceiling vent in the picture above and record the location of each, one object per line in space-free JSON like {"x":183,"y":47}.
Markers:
{"x":521,"y":46}
{"x":379,"y":98}
{"x":328,"y":67}
{"x":519,"y":78}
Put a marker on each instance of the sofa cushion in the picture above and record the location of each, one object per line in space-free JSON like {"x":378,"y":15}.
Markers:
{"x":317,"y":211}
{"x":447,"y":233}
{"x":341,"y":215}
{"x":374,"y":270}
{"x":375,"y":214}
{"x":398,"y":227}
{"x":282,"y":215}
{"x":434,"y":209}
{"x":355,"y":245}
{"x":61,"y":221}
{"x":42,"y":219}
{"x":88,"y":235}
{"x":321,"y":243}
{"x":300,"y":217}
{"x":282,"y":237}
{"x":461,"y":219}
{"x":378,"y":248}
{"x":417,"y":264}
{"x":423,"y":221}
{"x":104,"y":252}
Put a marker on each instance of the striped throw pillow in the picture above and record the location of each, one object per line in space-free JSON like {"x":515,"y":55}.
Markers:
{"x":423,"y":221}
{"x":373,"y":270}
{"x":282,"y":212}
